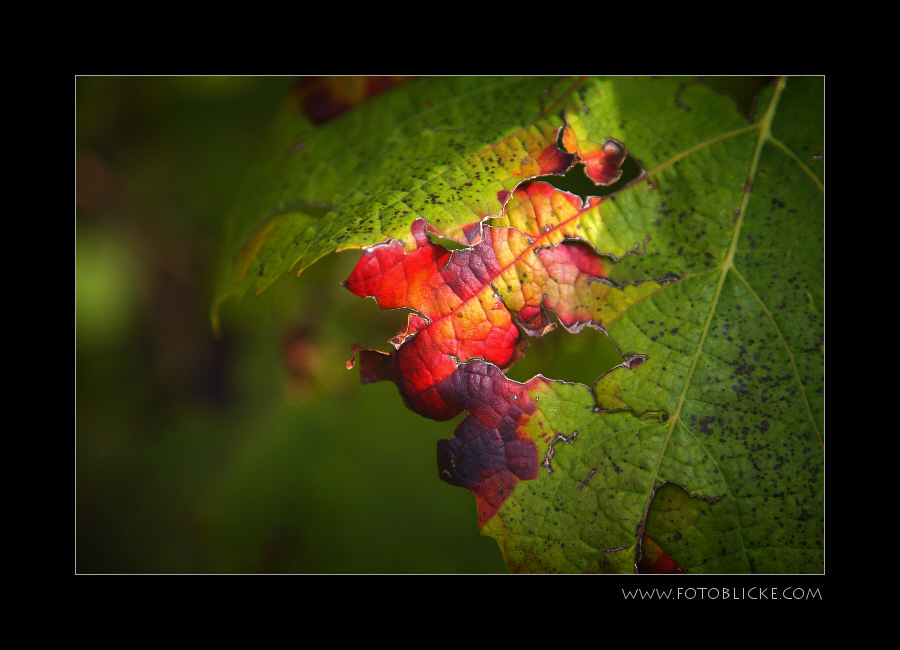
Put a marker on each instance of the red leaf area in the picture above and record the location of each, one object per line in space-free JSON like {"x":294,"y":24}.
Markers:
{"x":655,"y":560}
{"x":470,"y":305}
{"x":602,"y":163}
{"x":489,"y":453}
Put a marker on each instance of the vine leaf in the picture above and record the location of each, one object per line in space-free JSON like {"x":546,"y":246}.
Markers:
{"x":706,"y":272}
{"x":654,"y":559}
{"x":466,"y":299}
{"x":602,"y":161}
{"x":431,"y":149}
{"x":470,"y":304}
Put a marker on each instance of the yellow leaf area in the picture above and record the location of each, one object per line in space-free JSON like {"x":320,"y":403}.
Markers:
{"x":568,"y":279}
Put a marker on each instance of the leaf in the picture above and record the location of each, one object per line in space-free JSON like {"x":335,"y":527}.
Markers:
{"x":676,"y":518}
{"x":654,"y":559}
{"x":438,"y":151}
{"x":466,"y":299}
{"x":733,"y":349}
{"x":706,"y":272}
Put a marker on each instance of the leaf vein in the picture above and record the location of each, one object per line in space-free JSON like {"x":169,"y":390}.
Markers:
{"x":789,"y":352}
{"x":724,"y":479}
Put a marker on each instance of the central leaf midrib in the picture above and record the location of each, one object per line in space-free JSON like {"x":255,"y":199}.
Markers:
{"x":727,"y":264}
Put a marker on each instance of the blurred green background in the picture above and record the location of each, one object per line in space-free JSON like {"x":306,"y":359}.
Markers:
{"x":257,"y":452}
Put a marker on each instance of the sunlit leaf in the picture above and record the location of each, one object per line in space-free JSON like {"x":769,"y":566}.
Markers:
{"x":706,"y":271}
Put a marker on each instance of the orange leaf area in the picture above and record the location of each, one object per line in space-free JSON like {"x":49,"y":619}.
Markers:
{"x":466,"y":299}
{"x":471,"y":304}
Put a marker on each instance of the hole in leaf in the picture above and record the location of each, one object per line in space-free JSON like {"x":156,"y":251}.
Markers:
{"x":449,"y":244}
{"x":577,"y":182}
{"x":571,"y":357}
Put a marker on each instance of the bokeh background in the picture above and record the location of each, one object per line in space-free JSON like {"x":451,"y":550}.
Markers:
{"x":256,"y":452}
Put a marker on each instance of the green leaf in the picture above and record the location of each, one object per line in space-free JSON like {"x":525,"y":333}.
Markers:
{"x":734,"y":348}
{"x":447,"y":150}
{"x":723,"y":391}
